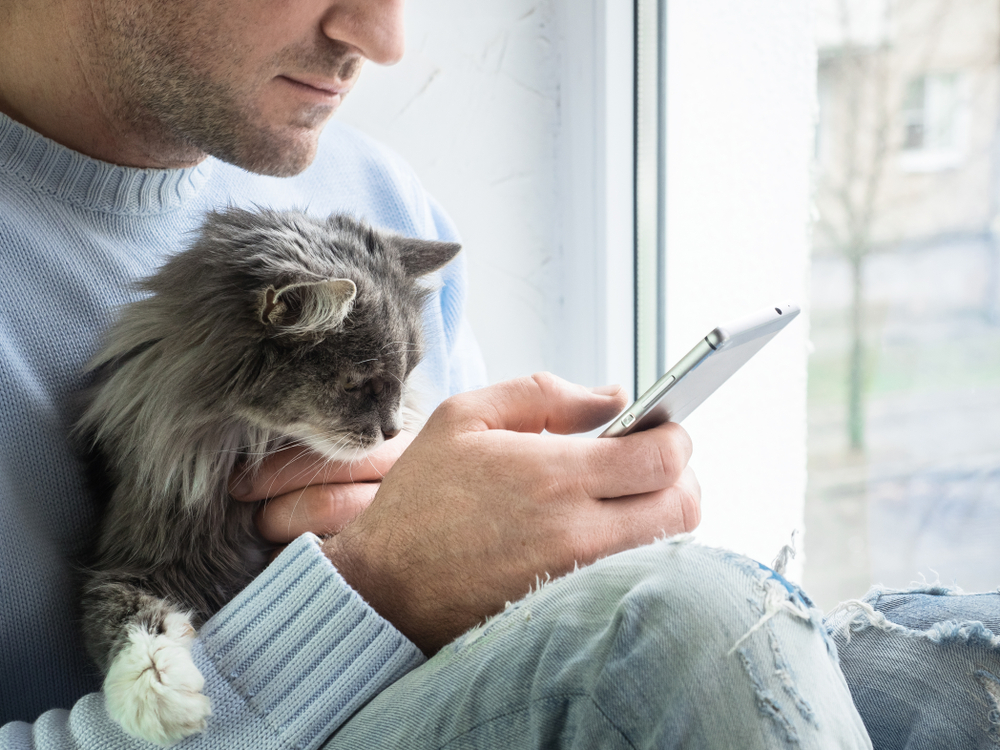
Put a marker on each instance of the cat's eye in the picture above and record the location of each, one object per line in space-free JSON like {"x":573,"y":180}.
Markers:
{"x":350,"y":385}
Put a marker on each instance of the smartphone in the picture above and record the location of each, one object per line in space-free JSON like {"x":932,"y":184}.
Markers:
{"x":710,"y":364}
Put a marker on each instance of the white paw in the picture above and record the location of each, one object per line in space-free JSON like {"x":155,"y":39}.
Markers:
{"x":153,"y":688}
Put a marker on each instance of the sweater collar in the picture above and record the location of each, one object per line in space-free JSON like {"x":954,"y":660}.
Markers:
{"x":69,"y":176}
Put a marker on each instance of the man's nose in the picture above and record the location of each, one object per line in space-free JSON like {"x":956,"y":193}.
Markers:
{"x":374,"y":27}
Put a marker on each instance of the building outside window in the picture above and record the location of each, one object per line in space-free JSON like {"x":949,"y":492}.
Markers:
{"x":904,"y":379}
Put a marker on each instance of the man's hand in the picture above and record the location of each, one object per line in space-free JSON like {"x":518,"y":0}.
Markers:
{"x":481,"y":504}
{"x":307,"y":492}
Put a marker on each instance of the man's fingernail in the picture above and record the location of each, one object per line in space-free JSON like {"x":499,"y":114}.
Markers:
{"x":241,"y":488}
{"x":606,"y":390}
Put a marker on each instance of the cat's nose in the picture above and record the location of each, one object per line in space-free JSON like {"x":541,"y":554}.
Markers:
{"x":390,"y":432}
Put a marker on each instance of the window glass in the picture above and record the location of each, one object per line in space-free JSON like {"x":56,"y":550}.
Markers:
{"x":904,"y":378}
{"x":914,"y":114}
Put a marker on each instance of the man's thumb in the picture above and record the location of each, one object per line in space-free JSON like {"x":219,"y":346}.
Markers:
{"x":542,"y":402}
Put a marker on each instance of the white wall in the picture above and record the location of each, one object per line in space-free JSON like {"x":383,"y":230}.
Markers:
{"x":741,"y":105}
{"x":517,"y":116}
{"x":474,"y":108}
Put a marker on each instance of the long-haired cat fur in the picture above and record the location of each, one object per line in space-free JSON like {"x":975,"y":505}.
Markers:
{"x":273,"y":328}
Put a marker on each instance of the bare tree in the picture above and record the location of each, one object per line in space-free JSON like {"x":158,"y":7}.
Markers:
{"x":862,"y":83}
{"x":869,"y":93}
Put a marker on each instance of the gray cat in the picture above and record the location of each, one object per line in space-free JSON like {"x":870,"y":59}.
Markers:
{"x":273,"y":328}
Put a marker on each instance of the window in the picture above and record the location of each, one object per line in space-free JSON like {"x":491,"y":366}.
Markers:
{"x":521,"y":122}
{"x":915,"y":115}
{"x":737,"y":107}
{"x":904,"y":381}
{"x":933,"y":117}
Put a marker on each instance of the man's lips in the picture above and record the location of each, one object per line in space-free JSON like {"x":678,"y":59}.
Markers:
{"x":328,"y":90}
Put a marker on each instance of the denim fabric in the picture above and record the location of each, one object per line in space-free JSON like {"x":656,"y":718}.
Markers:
{"x":923,"y":666}
{"x":671,"y":645}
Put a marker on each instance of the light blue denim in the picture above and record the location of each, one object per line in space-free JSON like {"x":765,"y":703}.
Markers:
{"x":923,"y":666}
{"x":672,"y":645}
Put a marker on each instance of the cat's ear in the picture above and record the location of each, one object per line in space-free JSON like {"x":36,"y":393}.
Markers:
{"x":307,"y":307}
{"x":420,"y":257}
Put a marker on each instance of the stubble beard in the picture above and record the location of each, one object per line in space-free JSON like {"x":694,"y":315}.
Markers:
{"x":184,"y":108}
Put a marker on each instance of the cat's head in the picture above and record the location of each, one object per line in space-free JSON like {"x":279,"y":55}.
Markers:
{"x":301,"y":326}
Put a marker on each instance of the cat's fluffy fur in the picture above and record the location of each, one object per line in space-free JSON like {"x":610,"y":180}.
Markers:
{"x":272,"y":328}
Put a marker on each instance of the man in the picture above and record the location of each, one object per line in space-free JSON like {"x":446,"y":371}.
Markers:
{"x":123,"y":121}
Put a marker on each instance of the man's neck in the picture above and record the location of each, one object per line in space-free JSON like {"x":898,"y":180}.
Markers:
{"x":51,"y":82}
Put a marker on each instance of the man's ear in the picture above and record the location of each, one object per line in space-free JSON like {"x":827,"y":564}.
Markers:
{"x":420,"y":257}
{"x":307,"y":307}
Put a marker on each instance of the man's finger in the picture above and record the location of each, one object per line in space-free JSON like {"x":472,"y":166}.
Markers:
{"x":541,"y":402}
{"x":635,"y":464}
{"x":622,"y":523}
{"x":669,"y":511}
{"x":321,"y":509}
{"x":294,"y":468}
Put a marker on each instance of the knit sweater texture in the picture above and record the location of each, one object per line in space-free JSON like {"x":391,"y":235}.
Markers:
{"x":298,"y":651}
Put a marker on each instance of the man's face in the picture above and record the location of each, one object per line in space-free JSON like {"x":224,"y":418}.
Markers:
{"x":251,"y":82}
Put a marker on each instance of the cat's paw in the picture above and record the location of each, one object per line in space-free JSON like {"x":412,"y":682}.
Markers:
{"x":153,"y":688}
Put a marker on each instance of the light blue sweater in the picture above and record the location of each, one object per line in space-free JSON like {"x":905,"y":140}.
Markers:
{"x":298,"y":652}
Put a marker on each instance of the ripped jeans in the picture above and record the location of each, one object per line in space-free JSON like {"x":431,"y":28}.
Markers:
{"x":923,"y":666}
{"x":672,"y":645}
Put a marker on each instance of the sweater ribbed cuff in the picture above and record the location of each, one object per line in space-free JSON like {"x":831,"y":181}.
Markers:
{"x":302,"y":647}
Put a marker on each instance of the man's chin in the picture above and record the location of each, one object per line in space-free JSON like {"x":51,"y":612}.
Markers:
{"x":277,"y":155}
{"x":289,"y":166}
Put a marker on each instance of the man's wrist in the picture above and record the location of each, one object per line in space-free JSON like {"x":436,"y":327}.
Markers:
{"x":347,"y":556}
{"x":374,"y":579}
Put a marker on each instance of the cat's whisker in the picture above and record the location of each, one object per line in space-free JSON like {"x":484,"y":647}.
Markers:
{"x":252,"y":465}
{"x":328,"y":460}
{"x":320,"y":465}
{"x":390,"y":343}
{"x":350,"y":466}
{"x":318,"y":462}
{"x":261,"y":445}
{"x":369,"y":458}
{"x":406,"y":348}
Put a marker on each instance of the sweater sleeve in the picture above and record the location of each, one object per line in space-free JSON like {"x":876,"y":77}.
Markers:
{"x":285,"y":664}
{"x":466,"y":368}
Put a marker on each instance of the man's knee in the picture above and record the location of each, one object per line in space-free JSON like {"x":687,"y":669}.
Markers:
{"x":714,"y":635}
{"x":705,"y":591}
{"x":673,"y":601}
{"x":931,"y":647}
